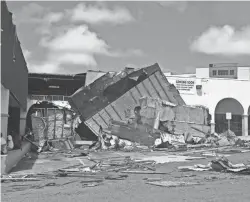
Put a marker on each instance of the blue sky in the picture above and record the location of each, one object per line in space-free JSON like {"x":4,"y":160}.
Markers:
{"x":72,"y":37}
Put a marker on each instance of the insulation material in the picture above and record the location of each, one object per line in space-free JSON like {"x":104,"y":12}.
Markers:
{"x":190,"y":114}
{"x":39,"y":126}
{"x":167,"y":114}
{"x":148,"y":116}
{"x":166,"y":137}
{"x":200,"y":131}
{"x":181,"y":113}
{"x":170,"y":112}
{"x":151,"y":107}
{"x":58,"y":123}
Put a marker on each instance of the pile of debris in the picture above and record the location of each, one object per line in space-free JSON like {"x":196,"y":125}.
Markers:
{"x":111,"y":168}
{"x":122,"y":164}
{"x":228,"y":138}
{"x":130,"y":110}
{"x":110,"y":96}
{"x":139,"y":107}
{"x":221,"y":164}
{"x":157,"y":124}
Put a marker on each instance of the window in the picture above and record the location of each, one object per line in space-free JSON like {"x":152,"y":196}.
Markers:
{"x":231,"y":72}
{"x":222,"y":72}
{"x":214,"y":72}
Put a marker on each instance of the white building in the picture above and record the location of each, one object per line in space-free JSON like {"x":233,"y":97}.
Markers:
{"x":222,"y":88}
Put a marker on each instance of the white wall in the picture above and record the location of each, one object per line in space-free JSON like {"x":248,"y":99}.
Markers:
{"x":244,"y":73}
{"x":214,"y":90}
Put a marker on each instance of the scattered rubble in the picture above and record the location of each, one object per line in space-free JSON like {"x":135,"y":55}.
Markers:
{"x":133,"y":110}
{"x":172,"y":184}
{"x":221,"y":164}
{"x":14,"y":179}
{"x":111,"y":95}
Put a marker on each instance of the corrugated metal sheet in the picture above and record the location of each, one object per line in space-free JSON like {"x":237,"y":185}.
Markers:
{"x":91,"y":99}
{"x":155,"y":86}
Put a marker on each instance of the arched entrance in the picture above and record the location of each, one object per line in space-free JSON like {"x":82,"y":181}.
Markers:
{"x":235,"y":108}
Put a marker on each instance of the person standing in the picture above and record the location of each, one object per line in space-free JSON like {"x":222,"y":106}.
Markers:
{"x":3,"y":145}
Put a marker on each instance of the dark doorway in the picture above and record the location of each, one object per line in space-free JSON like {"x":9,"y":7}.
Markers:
{"x":14,"y":120}
{"x":222,"y":124}
{"x":233,"y":106}
{"x":14,"y":126}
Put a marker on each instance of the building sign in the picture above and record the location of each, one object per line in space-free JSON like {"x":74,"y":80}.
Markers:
{"x":185,"y":85}
{"x":228,"y":116}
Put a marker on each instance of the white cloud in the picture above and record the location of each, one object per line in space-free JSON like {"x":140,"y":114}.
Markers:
{"x":33,"y":13}
{"x":100,"y":14}
{"x":47,"y":67}
{"x":223,"y":41}
{"x":30,"y":13}
{"x":77,"y":39}
{"x":80,"y":42}
{"x":125,"y":53}
{"x":53,"y":17}
{"x":181,"y":6}
{"x":77,"y":45}
{"x":73,"y":44}
{"x":73,"y":58}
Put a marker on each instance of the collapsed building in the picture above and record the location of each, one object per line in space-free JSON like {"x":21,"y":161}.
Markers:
{"x":114,"y":96}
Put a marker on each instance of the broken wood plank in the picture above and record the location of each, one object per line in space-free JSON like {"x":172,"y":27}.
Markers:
{"x":81,"y":142}
{"x":93,"y":184}
{"x":115,"y":177}
{"x":91,"y":180}
{"x":19,"y":179}
{"x":152,"y":179}
{"x":172,"y":184}
{"x":144,"y":172}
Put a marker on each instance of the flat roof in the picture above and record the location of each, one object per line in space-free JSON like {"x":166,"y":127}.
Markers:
{"x":46,"y":75}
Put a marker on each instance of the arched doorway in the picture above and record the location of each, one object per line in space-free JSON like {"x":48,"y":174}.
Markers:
{"x":235,"y":108}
